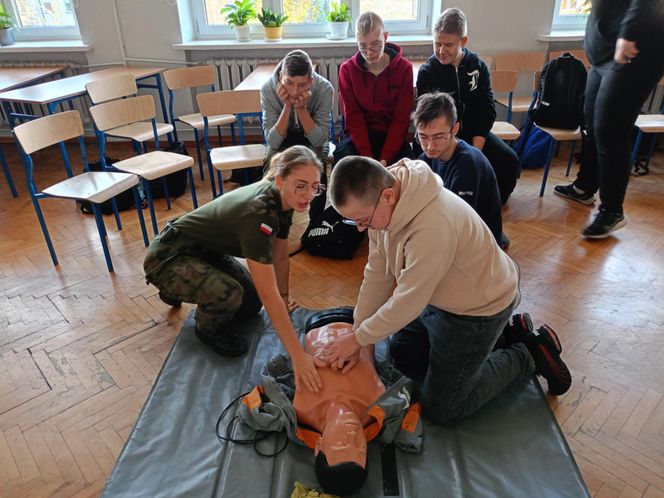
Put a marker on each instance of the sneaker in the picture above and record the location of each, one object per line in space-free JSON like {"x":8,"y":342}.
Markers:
{"x":603,"y":224}
{"x":171,"y":301}
{"x":225,"y":343}
{"x":571,"y":192}
{"x":516,"y":330}
{"x":543,"y":345}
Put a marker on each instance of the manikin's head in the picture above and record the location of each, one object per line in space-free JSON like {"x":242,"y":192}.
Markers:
{"x":341,"y":452}
{"x":297,"y":73}
{"x":450,"y":35}
{"x":362,"y":190}
{"x":436,"y":124}
{"x":371,"y":36}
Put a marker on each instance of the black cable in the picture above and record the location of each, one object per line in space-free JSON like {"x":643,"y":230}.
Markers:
{"x":258,"y":436}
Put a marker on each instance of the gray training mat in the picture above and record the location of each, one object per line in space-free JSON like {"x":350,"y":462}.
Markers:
{"x":512,"y":447}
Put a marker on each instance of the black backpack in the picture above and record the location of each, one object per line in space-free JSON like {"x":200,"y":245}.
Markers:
{"x":560,"y":103}
{"x":328,"y":236}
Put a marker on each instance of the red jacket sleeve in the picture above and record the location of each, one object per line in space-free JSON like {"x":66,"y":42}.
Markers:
{"x":355,"y":123}
{"x":398,"y":129}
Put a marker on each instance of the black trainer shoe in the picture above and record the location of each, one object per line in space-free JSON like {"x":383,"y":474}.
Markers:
{"x":543,"y":346}
{"x":569,"y":192}
{"x":603,"y":224}
{"x":225,"y":343}
{"x":516,"y":330}
{"x":171,"y":301}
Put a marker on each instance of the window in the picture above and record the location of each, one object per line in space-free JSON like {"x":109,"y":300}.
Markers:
{"x":43,"y":19}
{"x":570,"y":14}
{"x":307,"y":17}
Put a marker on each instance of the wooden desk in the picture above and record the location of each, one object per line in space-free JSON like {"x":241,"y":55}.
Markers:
{"x":52,"y":93}
{"x":16,"y":77}
{"x":257,"y":78}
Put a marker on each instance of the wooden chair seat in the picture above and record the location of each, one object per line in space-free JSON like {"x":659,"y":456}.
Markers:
{"x":505,"y":130}
{"x":561,"y":135}
{"x":94,"y":186}
{"x":141,"y":131}
{"x":196,"y":120}
{"x":650,"y":123}
{"x":237,"y":156}
{"x":155,"y":164}
{"x":520,"y":103}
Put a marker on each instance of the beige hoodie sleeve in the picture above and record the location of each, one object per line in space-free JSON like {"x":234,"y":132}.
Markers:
{"x":423,"y":261}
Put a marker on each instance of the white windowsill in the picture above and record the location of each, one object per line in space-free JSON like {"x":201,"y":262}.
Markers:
{"x":47,"y":46}
{"x":257,"y":42}
{"x":561,"y":36}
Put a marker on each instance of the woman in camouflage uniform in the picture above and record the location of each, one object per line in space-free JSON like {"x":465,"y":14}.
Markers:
{"x":193,"y":258}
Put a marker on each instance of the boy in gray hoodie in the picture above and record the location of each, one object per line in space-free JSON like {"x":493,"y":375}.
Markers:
{"x":296,"y":104}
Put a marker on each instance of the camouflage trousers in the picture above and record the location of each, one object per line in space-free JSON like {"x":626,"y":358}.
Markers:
{"x":220,"y":286}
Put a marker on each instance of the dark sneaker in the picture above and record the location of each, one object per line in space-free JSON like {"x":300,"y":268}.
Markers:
{"x":603,"y":224}
{"x":171,"y":301}
{"x":569,"y":192}
{"x":516,"y":330}
{"x":225,"y":343}
{"x":543,"y":346}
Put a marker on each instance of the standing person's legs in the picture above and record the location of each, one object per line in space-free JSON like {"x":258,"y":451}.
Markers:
{"x":621,"y":94}
{"x":464,"y":374}
{"x":587,"y":179}
{"x":505,"y":163}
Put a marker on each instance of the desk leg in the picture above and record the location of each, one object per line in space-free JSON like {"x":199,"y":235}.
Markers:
{"x":8,"y":175}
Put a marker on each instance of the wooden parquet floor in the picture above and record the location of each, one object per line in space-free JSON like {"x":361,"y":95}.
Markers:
{"x":80,"y":349}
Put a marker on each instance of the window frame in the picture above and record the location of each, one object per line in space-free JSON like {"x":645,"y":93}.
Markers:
{"x":567,"y":22}
{"x":203,"y":31}
{"x":41,"y":33}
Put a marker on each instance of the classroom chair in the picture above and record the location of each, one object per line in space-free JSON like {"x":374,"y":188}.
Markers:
{"x":93,"y":186}
{"x":522,"y":63}
{"x":194,"y":77}
{"x":239,"y":103}
{"x":134,"y":116}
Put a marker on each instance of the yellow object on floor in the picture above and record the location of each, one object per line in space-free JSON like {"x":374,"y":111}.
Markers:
{"x":302,"y":491}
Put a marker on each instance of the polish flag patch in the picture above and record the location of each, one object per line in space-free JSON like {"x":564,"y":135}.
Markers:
{"x":265,"y":228}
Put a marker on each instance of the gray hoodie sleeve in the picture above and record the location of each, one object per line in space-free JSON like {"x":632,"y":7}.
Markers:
{"x":320,"y":109}
{"x":271,"y":108}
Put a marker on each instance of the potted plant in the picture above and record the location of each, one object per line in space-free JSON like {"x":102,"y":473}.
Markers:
{"x":339,"y":18}
{"x":6,"y":33}
{"x":273,"y":24}
{"x":238,"y":14}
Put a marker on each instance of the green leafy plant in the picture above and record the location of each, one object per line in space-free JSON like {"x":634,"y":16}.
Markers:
{"x":239,"y":13}
{"x":339,"y":13}
{"x":271,"y":19}
{"x":5,"y":19}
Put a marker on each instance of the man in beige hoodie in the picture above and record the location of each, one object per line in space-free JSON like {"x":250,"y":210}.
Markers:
{"x":439,"y":286}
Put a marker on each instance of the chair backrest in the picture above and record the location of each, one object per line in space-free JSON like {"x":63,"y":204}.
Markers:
{"x":229,"y":102}
{"x":503,"y":81}
{"x":190,"y":77}
{"x":521,"y":61}
{"x":122,"y":112}
{"x":537,"y":81}
{"x":579,"y":54}
{"x":111,"y":88}
{"x":488,"y":60}
{"x":42,"y":132}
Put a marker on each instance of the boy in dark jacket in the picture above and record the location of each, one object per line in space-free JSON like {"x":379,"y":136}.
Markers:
{"x":455,"y":70}
{"x":463,"y":168}
{"x":376,"y":90}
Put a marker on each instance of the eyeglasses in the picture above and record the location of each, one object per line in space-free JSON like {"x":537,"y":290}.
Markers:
{"x":437,"y":138}
{"x":372,"y":47}
{"x":316,"y":188}
{"x":363,"y":223}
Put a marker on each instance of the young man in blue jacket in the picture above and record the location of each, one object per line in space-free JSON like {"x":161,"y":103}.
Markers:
{"x":463,"y":168}
{"x":456,"y":70}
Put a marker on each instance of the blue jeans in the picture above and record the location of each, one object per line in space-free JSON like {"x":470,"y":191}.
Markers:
{"x":450,"y":359}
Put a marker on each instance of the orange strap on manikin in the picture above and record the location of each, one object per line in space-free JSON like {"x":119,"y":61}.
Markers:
{"x":308,"y":437}
{"x":409,"y":422}
{"x":253,"y":399}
